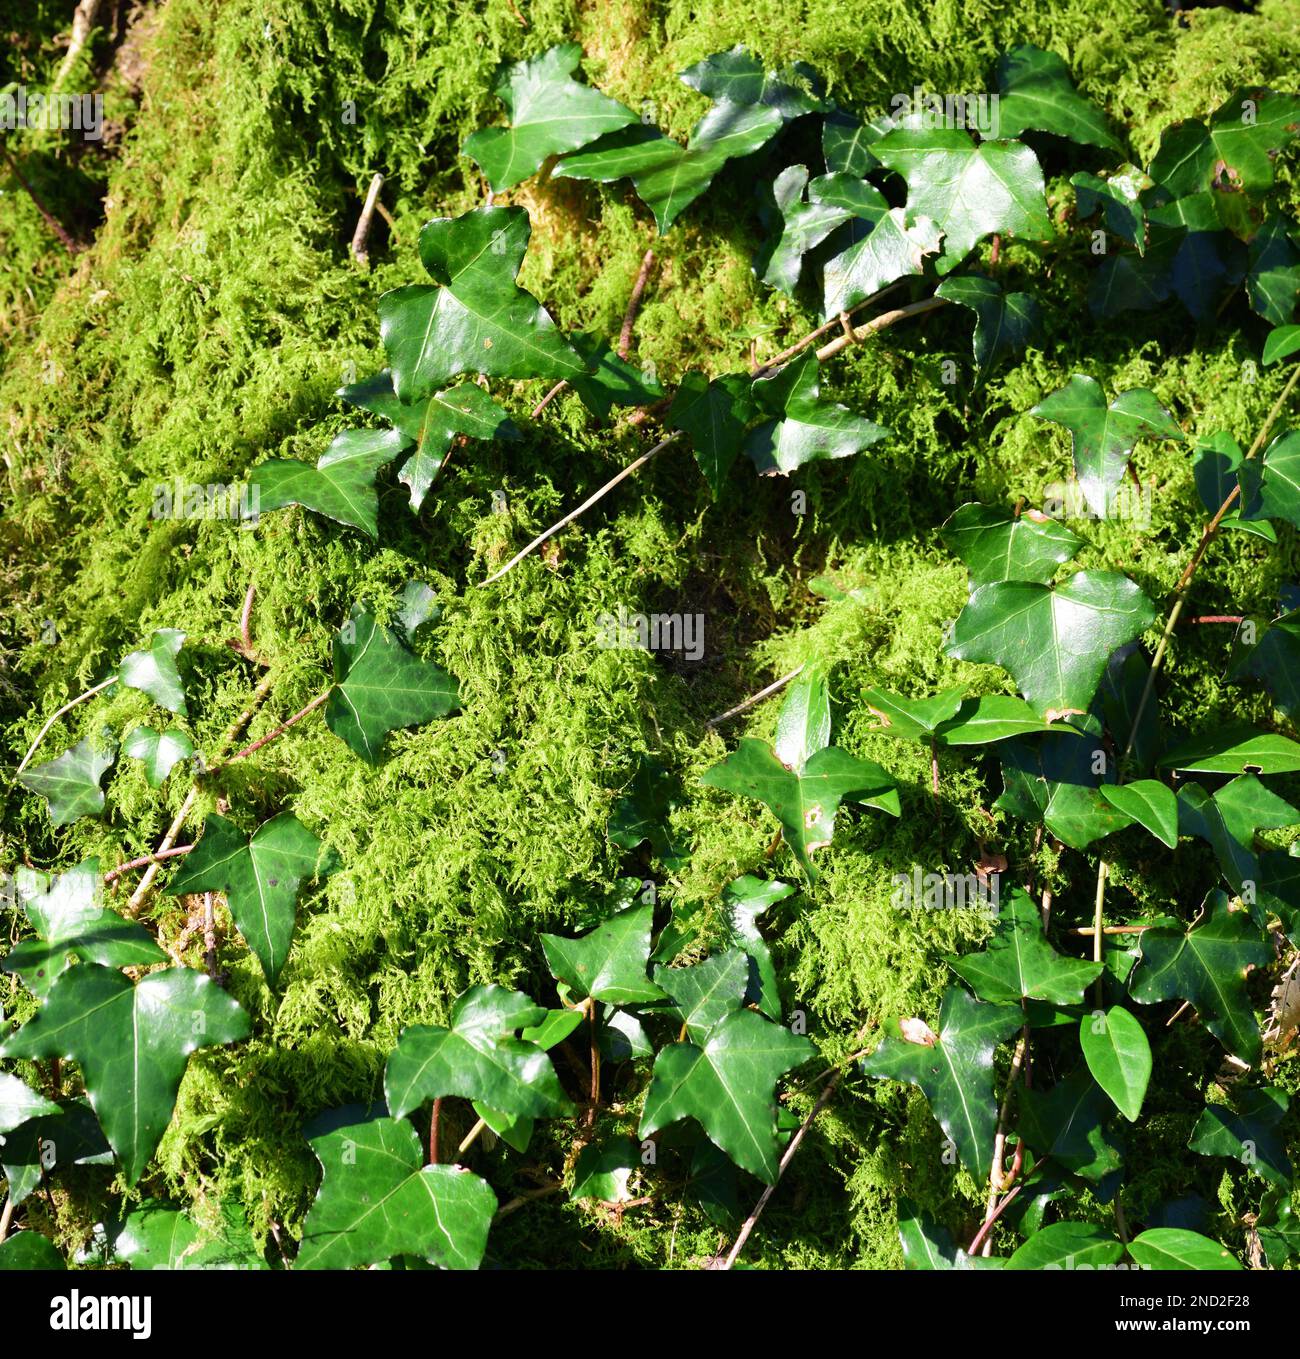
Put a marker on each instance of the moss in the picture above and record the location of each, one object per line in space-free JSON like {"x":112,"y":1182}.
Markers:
{"x":208,"y":327}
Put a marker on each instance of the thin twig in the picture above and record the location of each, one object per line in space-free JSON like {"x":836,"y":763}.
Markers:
{"x":281,"y":729}
{"x":67,"y":707}
{"x":435,"y":1119}
{"x":6,"y":1216}
{"x":209,"y":937}
{"x":634,"y":304}
{"x":145,"y":859}
{"x":471,"y":1137}
{"x":756,"y":698}
{"x":359,"y":251}
{"x":69,"y":242}
{"x":527,"y":1197}
{"x":593,"y":1023}
{"x":246,"y":618}
{"x":772,"y":364}
{"x":83,"y":23}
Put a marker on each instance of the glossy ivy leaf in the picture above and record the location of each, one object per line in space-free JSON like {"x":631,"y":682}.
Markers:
{"x":1068,"y":1245}
{"x":1274,"y":659}
{"x":1150,"y":803}
{"x":1218,"y":461}
{"x":1250,"y":1134}
{"x":1237,"y":748}
{"x":377,"y":1200}
{"x":479,"y":1057}
{"x":705,"y":993}
{"x":1116,"y":1050}
{"x":550,"y":113}
{"x":260,"y":876}
{"x":1270,"y":485}
{"x":381,"y":685}
{"x":803,"y":726}
{"x":1235,"y":152}
{"x":158,"y":751}
{"x":970,"y":191}
{"x":926,"y":1244}
{"x":154,"y":1236}
{"x":714,"y":415}
{"x":993,"y":717}
{"x":1273,"y":276}
{"x":1228,"y":820}
{"x":806,"y":224}
{"x":19,"y":1103}
{"x":953,"y":1068}
{"x":667,"y":176}
{"x":610,"y":381}
{"x":728,"y":1085}
{"x":153,"y":670}
{"x":1019,"y":964}
{"x":1119,"y":196}
{"x":515,"y":1129}
{"x":132,"y":1043}
{"x":1134,"y":724}
{"x":1037,"y":94}
{"x":1067,"y":1124}
{"x":29,"y":1251}
{"x":1281,"y":344}
{"x":1054,"y":640}
{"x":69,"y":916}
{"x":738,"y":77}
{"x":609,"y":963}
{"x":604,"y":1172}
{"x":996,"y":545}
{"x":1176,"y":1248}
{"x":912,"y":719}
{"x":847,"y":141}
{"x":743,"y":901}
{"x":1105,"y":436}
{"x":474,"y":319}
{"x":804,"y":428}
{"x":46,"y":1145}
{"x":1053,"y":781}
{"x":70,"y":783}
{"x":1278,"y":1228}
{"x":642,"y":813}
{"x":1005,"y":323}
{"x":896,"y":245}
{"x":1207,"y":965}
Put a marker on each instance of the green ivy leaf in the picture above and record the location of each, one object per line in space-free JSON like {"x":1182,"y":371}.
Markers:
{"x":1066,"y":1123}
{"x":1037,"y":94}
{"x":1118,"y":1055}
{"x":1249,"y":1135}
{"x":1068,"y":1245}
{"x":805,"y":225}
{"x":997,"y":546}
{"x":1019,"y":964}
{"x":1005,"y":323}
{"x":19,"y":1102}
{"x":29,"y":1251}
{"x":1152,"y":804}
{"x":642,"y":813}
{"x":1176,"y":1248}
{"x":953,"y":1068}
{"x":1281,"y":344}
{"x":1119,"y":195}
{"x":45,"y":1145}
{"x":1237,"y":748}
{"x":1270,"y":485}
{"x":158,"y":751}
{"x":381,"y":685}
{"x":847,"y":142}
{"x":1054,"y":640}
{"x":728,"y":1085}
{"x":550,"y":113}
{"x":70,"y":783}
{"x":1207,"y":966}
{"x":969,"y":191}
{"x":1229,"y":819}
{"x":913,"y":719}
{"x":705,"y":993}
{"x":1052,"y":781}
{"x":743,"y":901}
{"x":993,"y":717}
{"x":667,"y":176}
{"x":132,"y":1042}
{"x":153,"y":670}
{"x":714,"y":416}
{"x":376,"y":1201}
{"x":738,"y":77}
{"x":1273,"y":276}
{"x":1104,"y":436}
{"x":1274,"y":660}
{"x":154,"y":1236}
{"x":478,"y":1058}
{"x":926,"y":1244}
{"x":609,"y":963}
{"x":804,"y":428}
{"x":260,"y":876}
{"x":475,"y":319}
{"x":603,"y":1171}
{"x":611,"y":381}
{"x":69,"y":916}
{"x":1237,"y":149}
{"x":894,"y":246}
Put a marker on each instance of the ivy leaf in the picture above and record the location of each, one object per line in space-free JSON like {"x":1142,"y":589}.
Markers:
{"x":602,"y":1172}
{"x":1065,"y":1123}
{"x":1019,"y":964}
{"x":153,"y":670}
{"x":997,"y":546}
{"x":1037,"y":94}
{"x":704,"y":994}
{"x":158,"y":751}
{"x":953,"y":1068}
{"x":969,"y":191}
{"x":1152,"y":804}
{"x":1237,"y":748}
{"x":132,"y":1043}
{"x":1281,"y":344}
{"x":1229,"y":819}
{"x":376,"y":1201}
{"x":1249,"y":1135}
{"x":847,"y":142}
{"x":1053,"y":781}
{"x":70,"y":783}
{"x":69,"y":915}
{"x":154,"y":1236}
{"x":738,"y":77}
{"x":642,"y":813}
{"x":714,"y":416}
{"x":1275,"y":660}
{"x":926,"y":1244}
{"x":1207,"y":966}
{"x":728,"y":1085}
{"x":1177,"y":1248}
{"x":993,"y":717}
{"x":609,"y":963}
{"x":1118,"y":1055}
{"x":1119,"y":196}
{"x":1273,"y":276}
{"x":29,"y":1250}
{"x":381,"y":685}
{"x":1270,"y":485}
{"x":515,"y":1129}
{"x":550,"y":113}
{"x":19,"y":1102}
{"x":1235,"y":152}
{"x":1005,"y":323}
{"x":1054,"y":640}
{"x":667,"y":176}
{"x":475,"y":319}
{"x":478,"y":1058}
{"x":912,"y":719}
{"x":895,"y":246}
{"x":1104,"y":436}
{"x":805,"y":225}
{"x":804,"y":428}
{"x":743,"y":901}
{"x":45,"y":1145}
{"x":611,"y":381}
{"x":260,"y":877}
{"x":1068,"y":1245}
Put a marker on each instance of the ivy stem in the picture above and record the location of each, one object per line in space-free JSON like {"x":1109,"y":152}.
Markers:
{"x":113,"y":874}
{"x":527,"y":1197}
{"x":471,"y":1137}
{"x":209,"y":937}
{"x":435,"y":1118}
{"x":593,"y":1023}
{"x":987,"y":1225}
{"x":281,"y":729}
{"x":997,"y":1182}
{"x":67,"y":707}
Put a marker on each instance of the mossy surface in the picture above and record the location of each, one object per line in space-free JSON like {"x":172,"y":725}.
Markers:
{"x":207,"y":328}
